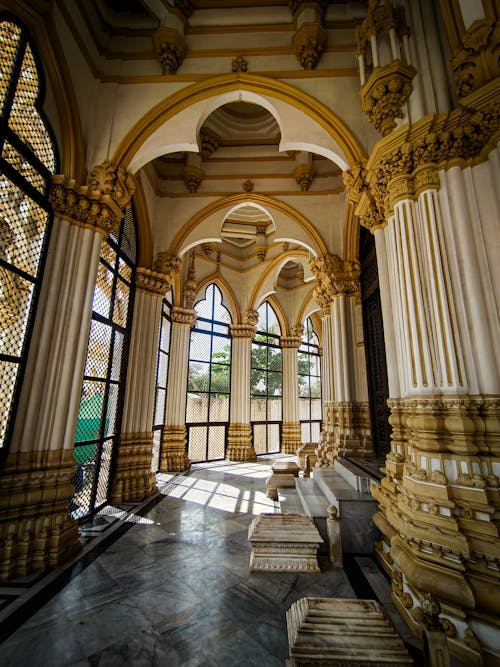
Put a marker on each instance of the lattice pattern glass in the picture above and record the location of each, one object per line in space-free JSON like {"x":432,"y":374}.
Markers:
{"x":309,"y":384}
{"x":103,"y":385}
{"x":162,"y":376}
{"x":209,"y":376}
{"x":27,"y":160}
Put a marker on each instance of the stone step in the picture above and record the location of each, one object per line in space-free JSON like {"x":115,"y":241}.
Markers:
{"x":358,"y":479}
{"x":313,"y":501}
{"x":289,"y":501}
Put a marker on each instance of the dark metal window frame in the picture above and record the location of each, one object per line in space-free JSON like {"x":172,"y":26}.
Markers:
{"x":272,"y":342}
{"x":212,"y":322}
{"x":115,"y":243}
{"x":166,"y":314}
{"x":312,"y":350}
{"x":41,"y":199}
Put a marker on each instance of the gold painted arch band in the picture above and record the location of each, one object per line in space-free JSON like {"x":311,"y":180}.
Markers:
{"x":227,"y":83}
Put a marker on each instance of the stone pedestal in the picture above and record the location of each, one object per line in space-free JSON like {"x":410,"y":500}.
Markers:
{"x":309,"y":449}
{"x":337,"y":631}
{"x":283,"y":542}
{"x":279,"y":481}
{"x":285,"y":468}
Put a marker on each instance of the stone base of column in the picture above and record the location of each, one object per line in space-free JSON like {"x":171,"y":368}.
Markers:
{"x":173,"y":455}
{"x":291,"y":437}
{"x":134,"y":479}
{"x":36,"y":529}
{"x":239,"y":443}
{"x":352,"y":430}
{"x":437,"y":505}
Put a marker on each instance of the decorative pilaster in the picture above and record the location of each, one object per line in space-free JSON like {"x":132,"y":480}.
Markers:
{"x":239,"y":437}
{"x":36,"y":529}
{"x":134,"y":479}
{"x":173,"y":455}
{"x":291,"y":438}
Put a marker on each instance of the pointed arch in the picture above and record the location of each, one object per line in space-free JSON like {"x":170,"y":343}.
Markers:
{"x":227,"y":293}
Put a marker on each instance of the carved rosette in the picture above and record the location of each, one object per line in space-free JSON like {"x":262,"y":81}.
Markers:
{"x":239,"y":64}
{"x":239,"y":443}
{"x":248,"y":185}
{"x":80,"y":206}
{"x":133,"y":479}
{"x":475,"y":61}
{"x":304,"y":175}
{"x":170,"y":48}
{"x":384,"y":94}
{"x":308,"y":44}
{"x":36,"y":529}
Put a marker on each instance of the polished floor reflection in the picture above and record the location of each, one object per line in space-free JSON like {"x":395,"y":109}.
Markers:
{"x":168,"y":584}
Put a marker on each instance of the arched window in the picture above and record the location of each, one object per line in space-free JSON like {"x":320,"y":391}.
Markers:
{"x":209,"y":379}
{"x":101,"y":403}
{"x":162,"y":377}
{"x":266,"y":381}
{"x":27,"y":160}
{"x":309,"y":384}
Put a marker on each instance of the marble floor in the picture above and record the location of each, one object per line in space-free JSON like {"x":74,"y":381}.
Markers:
{"x":167,"y":583}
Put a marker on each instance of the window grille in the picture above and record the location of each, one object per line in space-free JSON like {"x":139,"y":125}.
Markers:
{"x":209,"y":379}
{"x":101,"y":402}
{"x":266,"y":381}
{"x":309,"y":384}
{"x":27,"y":160}
{"x":161,"y":377}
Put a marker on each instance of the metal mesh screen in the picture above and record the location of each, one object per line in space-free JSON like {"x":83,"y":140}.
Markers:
{"x":27,"y":159}
{"x":101,"y":400}
{"x":161,"y":377}
{"x":209,"y":379}
{"x":309,"y":384}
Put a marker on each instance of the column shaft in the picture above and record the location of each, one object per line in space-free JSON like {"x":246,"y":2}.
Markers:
{"x":291,"y":432}
{"x":239,"y":438}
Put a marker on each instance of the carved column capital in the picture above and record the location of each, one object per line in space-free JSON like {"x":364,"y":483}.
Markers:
{"x":290,"y":342}
{"x":113,"y":181}
{"x":242,"y":331}
{"x":184,"y":315}
{"x":167,"y":264}
{"x":151,"y":281}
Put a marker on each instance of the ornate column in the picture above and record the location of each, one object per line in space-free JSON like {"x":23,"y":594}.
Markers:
{"x":439,"y":497}
{"x":173,"y":455}
{"x":133,"y":478}
{"x":291,"y":438}
{"x":36,"y":529}
{"x":239,"y":436}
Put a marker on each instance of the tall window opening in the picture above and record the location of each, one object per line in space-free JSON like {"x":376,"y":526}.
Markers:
{"x":266,"y":382}
{"x":27,"y":160}
{"x":101,"y":403}
{"x":162,"y":377}
{"x":209,"y":379}
{"x":309,"y":384}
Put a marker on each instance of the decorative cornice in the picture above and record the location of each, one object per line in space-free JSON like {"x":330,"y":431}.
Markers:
{"x":112,"y":181}
{"x":84,"y":207}
{"x":170,"y":48}
{"x":308,"y":44}
{"x":384,"y":94}
{"x":475,"y":61}
{"x":151,"y":281}
{"x":184,"y":315}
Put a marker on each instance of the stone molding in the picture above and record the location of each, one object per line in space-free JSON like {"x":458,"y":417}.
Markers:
{"x":170,"y":48}
{"x":81,"y":206}
{"x":36,"y":529}
{"x":384,"y":94}
{"x":184,"y":315}
{"x":151,"y":281}
{"x":133,"y":479}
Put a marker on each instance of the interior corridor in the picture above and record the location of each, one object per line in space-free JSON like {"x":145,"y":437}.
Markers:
{"x":167,"y":583}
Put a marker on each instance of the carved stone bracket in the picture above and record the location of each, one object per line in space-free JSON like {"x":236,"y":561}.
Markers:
{"x":170,"y":48}
{"x":193,"y":177}
{"x":384,"y":94}
{"x":304,"y":175}
{"x":209,"y":142}
{"x":308,"y":44}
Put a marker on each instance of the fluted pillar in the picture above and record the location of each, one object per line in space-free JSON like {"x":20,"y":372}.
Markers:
{"x":134,"y":479}
{"x":173,"y":455}
{"x":291,"y":433}
{"x":36,"y":529}
{"x":327,"y":435}
{"x":239,"y":437}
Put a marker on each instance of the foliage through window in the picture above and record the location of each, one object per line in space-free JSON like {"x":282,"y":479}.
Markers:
{"x":209,"y":379}
{"x":309,"y":384}
{"x":27,"y":160}
{"x":266,"y":377}
{"x":101,"y":402}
